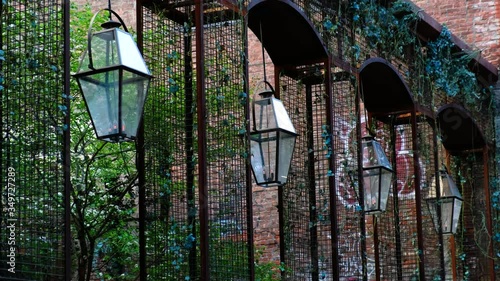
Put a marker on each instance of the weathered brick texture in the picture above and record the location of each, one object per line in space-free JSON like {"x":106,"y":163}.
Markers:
{"x":124,"y":8}
{"x":476,"y":22}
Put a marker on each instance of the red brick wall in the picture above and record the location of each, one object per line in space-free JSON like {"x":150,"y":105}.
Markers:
{"x":266,"y":223}
{"x":476,"y":22}
{"x":124,"y":8}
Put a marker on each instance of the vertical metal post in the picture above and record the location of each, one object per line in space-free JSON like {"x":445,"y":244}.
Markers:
{"x":140,"y":163}
{"x":202,"y":142}
{"x":418,"y":199}
{"x":189,"y":144}
{"x":313,"y":218}
{"x":331,"y":166}
{"x":361,"y":193}
{"x":2,"y":119}
{"x":376,"y":241}
{"x":248,"y":167}
{"x":489,"y":223}
{"x":451,"y":240}
{"x":438,"y":192}
{"x":397,"y":229}
{"x":66,"y":143}
{"x":281,"y":204}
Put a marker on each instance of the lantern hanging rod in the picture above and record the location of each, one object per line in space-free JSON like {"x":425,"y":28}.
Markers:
{"x":368,"y":122}
{"x":109,"y":7}
{"x":262,"y":48}
{"x":444,"y":168}
{"x":107,"y":25}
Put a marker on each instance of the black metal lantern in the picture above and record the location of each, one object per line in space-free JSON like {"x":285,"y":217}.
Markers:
{"x":114,"y":81}
{"x":272,"y":139}
{"x":449,"y":203}
{"x":377,"y":176}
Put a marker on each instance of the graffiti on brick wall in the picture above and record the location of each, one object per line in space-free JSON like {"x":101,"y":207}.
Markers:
{"x":346,"y":158}
{"x":350,"y":263}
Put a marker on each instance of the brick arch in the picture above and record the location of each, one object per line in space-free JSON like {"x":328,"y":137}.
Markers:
{"x":288,"y":35}
{"x":459,"y":132}
{"x":383,"y":88}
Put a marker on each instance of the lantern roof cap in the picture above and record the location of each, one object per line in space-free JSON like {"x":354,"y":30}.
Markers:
{"x":376,"y":157}
{"x":128,"y":55}
{"x":111,"y":24}
{"x":446,"y":189}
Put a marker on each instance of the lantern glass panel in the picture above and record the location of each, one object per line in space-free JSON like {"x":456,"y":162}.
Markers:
{"x":264,"y":115}
{"x":134,"y":87}
{"x":104,"y":51}
{"x":100,"y":91}
{"x":282,"y":119}
{"x":263,"y":156}
{"x":449,"y":202}
{"x":374,"y":182}
{"x":129,"y":53}
{"x":286,"y":146}
{"x":457,"y":207}
{"x":377,"y":176}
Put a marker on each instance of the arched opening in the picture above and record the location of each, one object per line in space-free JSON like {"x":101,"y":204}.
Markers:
{"x":287,"y":34}
{"x":383,"y":90}
{"x":459,"y":132}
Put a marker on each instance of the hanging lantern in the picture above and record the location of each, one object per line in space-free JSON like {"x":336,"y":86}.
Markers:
{"x":114,"y":81}
{"x":377,"y":176}
{"x":449,"y":203}
{"x":272,"y":139}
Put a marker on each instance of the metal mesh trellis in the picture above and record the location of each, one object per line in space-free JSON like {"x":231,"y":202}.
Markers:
{"x":307,"y":239}
{"x":33,"y":110}
{"x":306,"y":198}
{"x":226,"y":101}
{"x":171,"y":225}
{"x":427,"y":164}
{"x":349,"y":215}
{"x":171,"y":135}
{"x":296,"y":200}
{"x":472,"y":241}
{"x":386,"y":231}
{"x":406,"y":202}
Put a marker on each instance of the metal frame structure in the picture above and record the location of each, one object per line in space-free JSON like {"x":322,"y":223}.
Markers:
{"x":195,"y":190}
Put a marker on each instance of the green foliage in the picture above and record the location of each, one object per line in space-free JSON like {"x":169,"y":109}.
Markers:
{"x":32,"y":121}
{"x":448,"y":70}
{"x":267,"y":271}
{"x":386,"y":29}
{"x":104,"y":180}
{"x":391,"y":32}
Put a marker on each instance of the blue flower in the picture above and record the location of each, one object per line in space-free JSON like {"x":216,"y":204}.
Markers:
{"x":328,"y":25}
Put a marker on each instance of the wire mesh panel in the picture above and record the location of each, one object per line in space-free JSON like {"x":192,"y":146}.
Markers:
{"x":170,"y":144}
{"x":226,"y":101}
{"x":427,"y":164}
{"x":296,"y":199}
{"x":171,"y":133}
{"x":308,"y":228}
{"x":33,"y":111}
{"x":405,"y":181}
{"x":472,"y":239}
{"x":349,"y":215}
{"x":387,"y":227}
